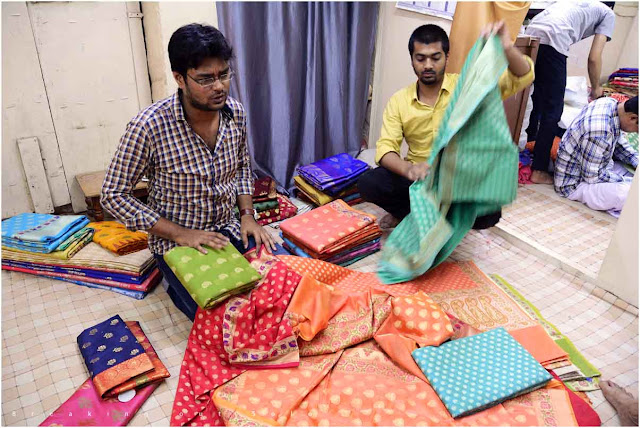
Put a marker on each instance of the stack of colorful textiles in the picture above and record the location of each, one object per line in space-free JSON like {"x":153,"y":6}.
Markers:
{"x":133,"y":275}
{"x":335,"y":233}
{"x":270,"y":206}
{"x":623,"y":81}
{"x":124,"y":371}
{"x":115,"y":237}
{"x":213,"y":277}
{"x":40,"y":233}
{"x":332,"y":178}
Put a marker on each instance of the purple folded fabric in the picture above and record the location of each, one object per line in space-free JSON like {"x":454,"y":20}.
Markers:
{"x":333,"y":172}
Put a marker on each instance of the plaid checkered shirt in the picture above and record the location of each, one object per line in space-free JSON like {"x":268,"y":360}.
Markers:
{"x":588,"y":148}
{"x":189,"y":183}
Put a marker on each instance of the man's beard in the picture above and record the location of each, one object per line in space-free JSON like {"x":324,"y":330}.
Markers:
{"x":200,"y":106}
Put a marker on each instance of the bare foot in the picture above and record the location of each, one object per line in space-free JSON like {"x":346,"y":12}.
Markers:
{"x":624,"y":403}
{"x":541,"y":177}
{"x":388,"y":222}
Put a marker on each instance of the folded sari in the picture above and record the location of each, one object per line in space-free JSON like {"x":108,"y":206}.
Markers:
{"x":493,"y":362}
{"x":146,"y":286}
{"x":344,"y":258}
{"x":158,"y":373}
{"x":116,"y":238}
{"x":112,"y":354}
{"x":79,"y":272}
{"x":75,"y":238}
{"x":330,"y":228}
{"x":213,"y":277}
{"x":445,"y":205}
{"x":91,"y":256}
{"x":45,"y":246}
{"x":318,"y":197}
{"x":286,"y":210}
{"x":264,"y":189}
{"x":266,"y":205}
{"x":70,"y":248}
{"x":333,"y":173}
{"x":86,"y":408}
{"x":43,"y":228}
{"x":139,"y":295}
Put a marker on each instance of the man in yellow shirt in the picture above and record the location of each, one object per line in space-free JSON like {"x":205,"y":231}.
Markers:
{"x":414,"y":114}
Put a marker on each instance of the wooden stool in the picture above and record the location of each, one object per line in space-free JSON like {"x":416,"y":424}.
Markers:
{"x":91,"y":185}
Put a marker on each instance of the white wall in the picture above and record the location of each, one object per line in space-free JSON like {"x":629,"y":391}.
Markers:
{"x":620,"y":51}
{"x":161,"y":19}
{"x":619,"y":271}
{"x":392,"y":66}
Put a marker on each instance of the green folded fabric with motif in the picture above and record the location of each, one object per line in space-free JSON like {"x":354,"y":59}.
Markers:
{"x":261,"y":206}
{"x":213,"y":277}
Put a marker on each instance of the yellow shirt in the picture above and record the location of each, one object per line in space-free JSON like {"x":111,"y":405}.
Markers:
{"x":407,"y":117}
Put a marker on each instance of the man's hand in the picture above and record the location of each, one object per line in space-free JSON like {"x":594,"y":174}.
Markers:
{"x":500,"y":30}
{"x":418,"y":171}
{"x":249,"y":227}
{"x":596,"y":93}
{"x":197,"y":238}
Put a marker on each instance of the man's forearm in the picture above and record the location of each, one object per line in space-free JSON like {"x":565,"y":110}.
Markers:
{"x":166,"y":229}
{"x":245,"y":202}
{"x":518,"y":65}
{"x":594,"y":67}
{"x":394,"y":163}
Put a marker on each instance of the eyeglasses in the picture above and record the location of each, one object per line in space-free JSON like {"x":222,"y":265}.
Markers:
{"x":209,"y":81}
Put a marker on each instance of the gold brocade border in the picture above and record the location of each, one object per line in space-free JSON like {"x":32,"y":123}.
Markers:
{"x":124,"y":371}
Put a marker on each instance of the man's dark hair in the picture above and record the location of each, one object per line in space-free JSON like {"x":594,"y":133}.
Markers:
{"x":191,"y":44}
{"x":429,"y":33}
{"x":631,"y":105}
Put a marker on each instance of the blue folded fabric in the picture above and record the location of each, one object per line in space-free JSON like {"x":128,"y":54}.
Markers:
{"x":477,"y":372}
{"x":334,"y":173}
{"x":40,"y":233}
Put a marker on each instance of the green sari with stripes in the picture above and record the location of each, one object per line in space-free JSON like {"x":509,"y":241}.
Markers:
{"x":473,"y":171}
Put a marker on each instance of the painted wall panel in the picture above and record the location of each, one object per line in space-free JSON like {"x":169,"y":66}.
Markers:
{"x":25,"y":113}
{"x":88,"y":68}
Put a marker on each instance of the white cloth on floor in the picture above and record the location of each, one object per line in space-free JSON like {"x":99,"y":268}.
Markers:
{"x":608,"y":197}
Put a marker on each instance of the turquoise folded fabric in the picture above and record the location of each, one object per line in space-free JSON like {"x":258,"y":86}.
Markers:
{"x":40,"y":233}
{"x":480,"y":371}
{"x":473,"y":171}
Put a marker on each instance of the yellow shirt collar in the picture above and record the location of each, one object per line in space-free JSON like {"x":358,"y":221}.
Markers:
{"x":448,"y":84}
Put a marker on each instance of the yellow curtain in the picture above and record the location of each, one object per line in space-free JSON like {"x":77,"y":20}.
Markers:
{"x":471,"y":17}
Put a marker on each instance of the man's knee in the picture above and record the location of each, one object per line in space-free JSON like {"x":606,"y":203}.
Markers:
{"x":368,"y":185}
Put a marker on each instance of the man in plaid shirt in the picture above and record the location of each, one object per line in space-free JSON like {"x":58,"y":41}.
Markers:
{"x":192,"y":146}
{"x":585,"y":169}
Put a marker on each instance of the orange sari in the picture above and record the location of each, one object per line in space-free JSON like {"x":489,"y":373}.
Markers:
{"x":346,"y":379}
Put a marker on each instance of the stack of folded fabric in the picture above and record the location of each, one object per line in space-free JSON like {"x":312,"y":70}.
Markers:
{"x":335,"y":233}
{"x":40,"y":233}
{"x":332,"y":178}
{"x":623,"y":81}
{"x":213,"y":277}
{"x":124,"y":371}
{"x":115,"y":237}
{"x":133,"y":275}
{"x":270,"y":206}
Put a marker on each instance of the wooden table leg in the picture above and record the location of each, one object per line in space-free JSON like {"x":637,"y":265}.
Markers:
{"x":94,"y":209}
{"x":97,"y":208}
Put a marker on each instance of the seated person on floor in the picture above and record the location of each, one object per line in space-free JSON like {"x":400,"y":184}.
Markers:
{"x":585,"y":168}
{"x":414,"y":114}
{"x":192,"y":146}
